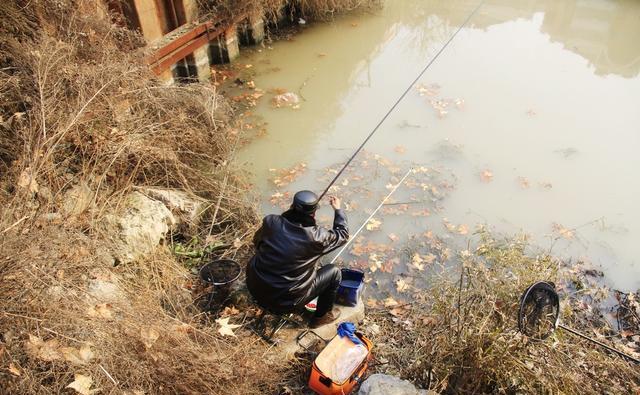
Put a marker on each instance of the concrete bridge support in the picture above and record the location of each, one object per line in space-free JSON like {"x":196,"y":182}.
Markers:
{"x":203,"y":62}
{"x":226,"y":47}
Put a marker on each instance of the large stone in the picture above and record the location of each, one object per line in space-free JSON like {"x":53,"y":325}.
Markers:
{"x":347,"y":314}
{"x":104,"y":291}
{"x":186,"y":207}
{"x":382,"y":384}
{"x":286,"y":338}
{"x":143,"y":226}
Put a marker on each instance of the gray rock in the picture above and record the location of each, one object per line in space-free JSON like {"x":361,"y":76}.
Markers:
{"x":140,"y":229}
{"x":104,"y":291}
{"x":187,"y":207}
{"x":347,"y":314}
{"x":382,"y":384}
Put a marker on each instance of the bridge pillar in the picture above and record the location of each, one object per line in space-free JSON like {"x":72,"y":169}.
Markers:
{"x":203,"y":63}
{"x":225,"y":48}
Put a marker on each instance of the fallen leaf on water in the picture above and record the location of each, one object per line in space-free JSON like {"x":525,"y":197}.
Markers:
{"x":463,"y":229}
{"x":388,"y":302}
{"x":486,"y":176}
{"x":524,"y":182}
{"x":568,"y":234}
{"x":400,"y":149}
{"x":430,"y":258}
{"x":373,"y":224}
{"x":530,"y":112}
{"x":149,"y":336}
{"x":226,"y":329}
{"x":401,"y":285}
{"x":546,"y":185}
{"x":450,"y":227}
{"x":393,"y":237}
{"x":322,"y":55}
{"x":417,"y":262}
{"x":354,"y":24}
{"x":82,"y":384}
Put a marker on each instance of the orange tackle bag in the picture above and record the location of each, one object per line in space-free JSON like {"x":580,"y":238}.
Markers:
{"x":340,"y":366}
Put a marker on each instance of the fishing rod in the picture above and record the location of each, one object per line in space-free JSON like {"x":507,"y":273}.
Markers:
{"x":393,"y":107}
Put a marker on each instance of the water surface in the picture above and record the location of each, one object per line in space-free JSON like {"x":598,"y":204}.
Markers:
{"x":541,"y":132}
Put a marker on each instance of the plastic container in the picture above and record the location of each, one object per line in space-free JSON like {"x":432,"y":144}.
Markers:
{"x":340,"y":366}
{"x":350,"y":287}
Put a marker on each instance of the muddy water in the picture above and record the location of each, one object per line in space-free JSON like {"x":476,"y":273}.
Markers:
{"x":528,"y":122}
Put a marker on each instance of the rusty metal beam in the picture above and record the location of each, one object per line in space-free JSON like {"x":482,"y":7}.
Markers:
{"x":179,"y":41}
{"x":188,"y":42}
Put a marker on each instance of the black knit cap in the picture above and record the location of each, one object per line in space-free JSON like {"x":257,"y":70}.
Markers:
{"x":305,"y":202}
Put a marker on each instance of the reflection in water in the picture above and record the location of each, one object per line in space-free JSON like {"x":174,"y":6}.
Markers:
{"x":550,"y":93}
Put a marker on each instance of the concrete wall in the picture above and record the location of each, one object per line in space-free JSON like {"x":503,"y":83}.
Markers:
{"x":149,"y":20}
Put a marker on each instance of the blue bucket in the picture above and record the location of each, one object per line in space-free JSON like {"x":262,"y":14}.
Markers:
{"x":350,"y":287}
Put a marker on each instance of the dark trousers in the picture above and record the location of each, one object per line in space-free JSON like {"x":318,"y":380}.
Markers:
{"x":325,"y":287}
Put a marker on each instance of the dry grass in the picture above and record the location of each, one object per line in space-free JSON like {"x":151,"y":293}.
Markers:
{"x":78,"y":105}
{"x":462,"y":336}
{"x":274,"y":10}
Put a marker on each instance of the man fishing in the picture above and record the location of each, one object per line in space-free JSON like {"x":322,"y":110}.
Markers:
{"x":282,"y":275}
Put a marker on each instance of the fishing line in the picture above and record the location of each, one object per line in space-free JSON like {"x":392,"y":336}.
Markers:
{"x":351,"y":238}
{"x":400,"y":99}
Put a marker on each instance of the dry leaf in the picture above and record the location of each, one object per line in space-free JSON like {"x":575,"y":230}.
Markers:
{"x":229,"y":311}
{"x":486,"y":176}
{"x":373,"y":224}
{"x":401,"y":285}
{"x":393,"y":237}
{"x":463,"y":229}
{"x":429,"y":258}
{"x":149,"y":336}
{"x":400,"y":149}
{"x":417,"y":262}
{"x":226,"y":329}
{"x":77,"y":356}
{"x":397,"y":311}
{"x":27,"y":181}
{"x":524,"y":182}
{"x":14,"y":370}
{"x":102,"y":310}
{"x":82,"y":384}
{"x":388,"y":302}
{"x":45,"y":350}
{"x":372,"y":303}
{"x":568,"y":234}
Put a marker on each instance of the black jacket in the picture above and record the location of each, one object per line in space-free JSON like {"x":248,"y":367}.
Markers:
{"x":283,"y":268}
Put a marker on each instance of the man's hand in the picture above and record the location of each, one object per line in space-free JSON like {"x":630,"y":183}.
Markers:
{"x":335,"y":202}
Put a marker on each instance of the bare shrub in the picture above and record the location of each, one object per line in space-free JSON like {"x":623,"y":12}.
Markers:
{"x":79,"y":105}
{"x":461,"y":336}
